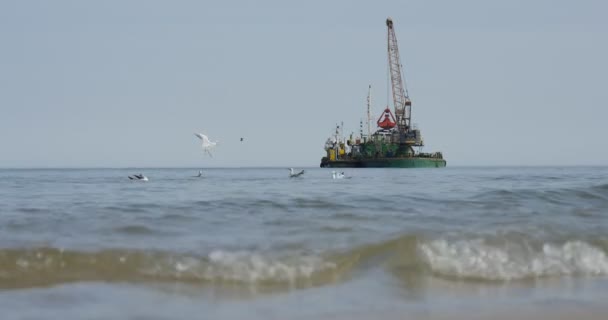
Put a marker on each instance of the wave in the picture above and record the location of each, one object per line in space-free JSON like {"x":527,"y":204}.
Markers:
{"x":32,"y":210}
{"x":498,"y":198}
{"x":318,"y":203}
{"x":132,"y":208}
{"x":350,"y":216}
{"x":48,"y":266}
{"x":336,"y":228}
{"x":506,"y":258}
{"x":602,"y":187}
{"x":135,"y":229}
{"x":255,"y":268}
{"x":555,"y":196}
{"x":477,"y":259}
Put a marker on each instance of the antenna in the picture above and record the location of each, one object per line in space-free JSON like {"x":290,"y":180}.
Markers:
{"x":369,"y":111}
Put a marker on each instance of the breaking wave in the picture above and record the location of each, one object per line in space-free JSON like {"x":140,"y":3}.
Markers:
{"x":464,"y":259}
{"x":476,"y":259}
{"x":47,"y":266}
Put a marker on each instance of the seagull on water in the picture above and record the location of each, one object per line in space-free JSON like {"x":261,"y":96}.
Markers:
{"x":339,"y":175}
{"x":293,"y":174}
{"x":138,"y":177}
{"x":206,"y":144}
{"x":334,"y":175}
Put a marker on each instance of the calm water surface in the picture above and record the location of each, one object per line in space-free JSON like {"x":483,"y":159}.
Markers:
{"x":255,"y":244}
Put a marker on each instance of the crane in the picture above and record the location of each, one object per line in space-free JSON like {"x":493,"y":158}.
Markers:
{"x":401,"y":100}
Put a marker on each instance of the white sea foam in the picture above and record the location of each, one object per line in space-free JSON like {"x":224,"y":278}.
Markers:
{"x":480,"y":260}
{"x":254,"y":267}
{"x":245,"y":267}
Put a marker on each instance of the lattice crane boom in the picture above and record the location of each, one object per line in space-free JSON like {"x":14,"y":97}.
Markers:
{"x":401,"y":100}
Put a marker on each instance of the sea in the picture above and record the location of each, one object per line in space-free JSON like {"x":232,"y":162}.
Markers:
{"x":253,"y":243}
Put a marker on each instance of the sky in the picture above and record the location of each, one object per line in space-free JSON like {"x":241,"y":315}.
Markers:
{"x":127,"y":83}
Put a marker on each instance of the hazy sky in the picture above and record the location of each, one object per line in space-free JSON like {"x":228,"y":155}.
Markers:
{"x":126,"y":83}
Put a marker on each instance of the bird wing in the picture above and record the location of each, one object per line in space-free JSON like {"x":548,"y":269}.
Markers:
{"x":206,"y":142}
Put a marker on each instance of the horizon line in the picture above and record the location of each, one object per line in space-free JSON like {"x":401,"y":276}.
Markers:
{"x":290,"y":166}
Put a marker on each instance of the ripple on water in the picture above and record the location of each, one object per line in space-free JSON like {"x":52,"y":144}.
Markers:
{"x":136,"y":230}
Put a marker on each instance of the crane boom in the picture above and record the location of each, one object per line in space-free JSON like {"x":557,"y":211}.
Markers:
{"x":401,"y":100}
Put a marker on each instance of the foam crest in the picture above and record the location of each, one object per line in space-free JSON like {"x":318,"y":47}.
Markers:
{"x":253,"y":267}
{"x":476,"y":259}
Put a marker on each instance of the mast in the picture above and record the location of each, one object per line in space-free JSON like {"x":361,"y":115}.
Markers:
{"x":369,"y":111}
{"x":401,"y":100}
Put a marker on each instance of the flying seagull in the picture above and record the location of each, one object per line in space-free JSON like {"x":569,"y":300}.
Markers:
{"x":207,"y":144}
{"x":293,"y":174}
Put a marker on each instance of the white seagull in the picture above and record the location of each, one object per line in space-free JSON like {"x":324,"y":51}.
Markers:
{"x":293,"y":174}
{"x":207,"y":144}
{"x":339,"y":175}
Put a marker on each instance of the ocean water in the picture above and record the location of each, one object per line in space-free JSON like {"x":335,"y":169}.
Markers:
{"x":492,"y":242}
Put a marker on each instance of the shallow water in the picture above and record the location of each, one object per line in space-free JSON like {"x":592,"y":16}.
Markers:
{"x":253,"y":243}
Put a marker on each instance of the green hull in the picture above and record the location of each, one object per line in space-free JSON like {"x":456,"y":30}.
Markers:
{"x":411,"y":162}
